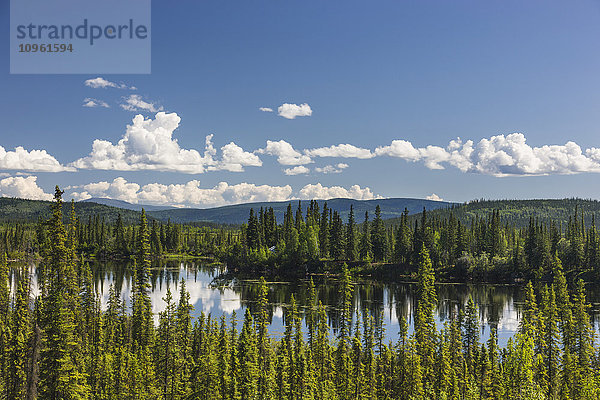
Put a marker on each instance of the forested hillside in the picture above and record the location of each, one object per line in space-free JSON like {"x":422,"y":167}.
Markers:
{"x":312,"y":238}
{"x":124,"y":204}
{"x":22,"y":210}
{"x":518,"y":212}
{"x":513,"y":212}
{"x":238,"y":214}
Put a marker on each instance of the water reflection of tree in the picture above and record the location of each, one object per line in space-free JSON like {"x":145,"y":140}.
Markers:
{"x":491,"y":300}
{"x":396,"y":299}
{"x":119,"y":273}
{"x":372,"y":297}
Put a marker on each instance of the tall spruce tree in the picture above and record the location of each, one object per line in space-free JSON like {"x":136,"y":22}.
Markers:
{"x":61,"y":374}
{"x":366,"y":246}
{"x":424,"y":320}
{"x":379,"y":237}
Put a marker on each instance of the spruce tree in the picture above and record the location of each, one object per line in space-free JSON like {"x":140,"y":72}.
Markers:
{"x":366,"y":247}
{"x":471,"y":334}
{"x":142,"y":322}
{"x":351,"y":245}
{"x":379,"y":237}
{"x":248,"y":360}
{"x":424,"y":321}
{"x":61,"y":374}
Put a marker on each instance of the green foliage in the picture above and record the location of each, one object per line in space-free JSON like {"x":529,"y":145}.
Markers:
{"x":64,"y":346}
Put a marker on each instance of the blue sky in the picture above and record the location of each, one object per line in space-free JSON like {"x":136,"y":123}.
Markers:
{"x":389,"y":78}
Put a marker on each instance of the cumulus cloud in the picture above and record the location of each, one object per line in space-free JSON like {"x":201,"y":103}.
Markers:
{"x":511,"y":155}
{"x":135,"y":103}
{"x":100,"y":82}
{"x":299,"y":170}
{"x":432,"y":156}
{"x":234,"y":159}
{"x":286,"y":154}
{"x":118,"y":189}
{"x":91,"y":103}
{"x":192,"y":194}
{"x":23,"y":187}
{"x":434,"y":197}
{"x":265,"y":109}
{"x":148,"y":144}
{"x":499,"y":156}
{"x":291,"y":111}
{"x":340,"y":150}
{"x":318,"y":191}
{"x":332,"y":169}
{"x":34,"y":160}
{"x":189,"y":193}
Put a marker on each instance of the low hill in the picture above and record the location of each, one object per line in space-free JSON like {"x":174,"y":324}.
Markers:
{"x":13,"y":209}
{"x":238,"y":214}
{"x":21,"y":210}
{"x":518,"y":212}
{"x":125,"y":205}
{"x":514,"y":212}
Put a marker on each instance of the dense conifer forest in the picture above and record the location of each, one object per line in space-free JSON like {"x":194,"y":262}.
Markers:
{"x":60,"y":344}
{"x":518,"y":212}
{"x":475,"y":241}
{"x":492,"y":246}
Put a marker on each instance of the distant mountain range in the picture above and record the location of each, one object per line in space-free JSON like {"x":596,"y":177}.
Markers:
{"x":515,"y":212}
{"x":125,"y":205}
{"x":238,"y":213}
{"x":13,"y":209}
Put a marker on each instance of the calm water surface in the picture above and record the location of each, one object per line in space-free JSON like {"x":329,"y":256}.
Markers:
{"x":499,"y":305}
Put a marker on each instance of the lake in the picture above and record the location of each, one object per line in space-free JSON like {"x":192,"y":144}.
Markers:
{"x":499,"y":305}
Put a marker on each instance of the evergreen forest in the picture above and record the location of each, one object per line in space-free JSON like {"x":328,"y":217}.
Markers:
{"x":59,"y":343}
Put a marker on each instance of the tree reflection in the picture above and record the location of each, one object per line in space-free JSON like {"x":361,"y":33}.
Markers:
{"x":216,"y":293}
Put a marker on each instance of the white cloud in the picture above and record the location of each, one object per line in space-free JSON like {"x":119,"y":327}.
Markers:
{"x":189,"y":193}
{"x":499,"y":156}
{"x":100,"y":82}
{"x":118,"y":189}
{"x":434,"y":197}
{"x":148,"y":144}
{"x":340,"y":150}
{"x":234,"y":159}
{"x":23,"y":187}
{"x":332,"y":169}
{"x":298,"y":170}
{"x":135,"y":103}
{"x":318,"y":191}
{"x":291,"y":111}
{"x":286,"y":154}
{"x":431,"y":155}
{"x":265,"y":109}
{"x":91,"y":102}
{"x":34,"y":160}
{"x":401,"y":149}
{"x":511,"y":155}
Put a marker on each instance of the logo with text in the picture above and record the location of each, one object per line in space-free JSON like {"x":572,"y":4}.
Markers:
{"x":80,"y":36}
